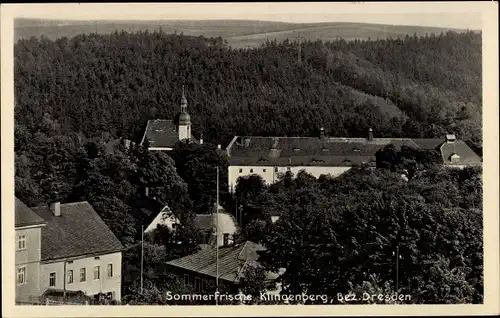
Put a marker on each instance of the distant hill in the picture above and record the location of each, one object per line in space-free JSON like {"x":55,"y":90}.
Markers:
{"x":238,"y":33}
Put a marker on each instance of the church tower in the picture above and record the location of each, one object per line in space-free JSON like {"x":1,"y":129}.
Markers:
{"x":184,"y":120}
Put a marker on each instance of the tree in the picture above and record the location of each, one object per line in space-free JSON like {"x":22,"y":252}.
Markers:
{"x":356,"y":222}
{"x":156,"y":171}
{"x":197,"y":165}
{"x":253,"y":282}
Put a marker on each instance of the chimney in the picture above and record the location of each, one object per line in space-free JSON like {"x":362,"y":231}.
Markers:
{"x":322,"y":133}
{"x":219,"y":147}
{"x":274,"y":218}
{"x":247,"y":142}
{"x":56,"y":208}
{"x":370,"y":134}
{"x":201,"y":139}
{"x":146,"y":191}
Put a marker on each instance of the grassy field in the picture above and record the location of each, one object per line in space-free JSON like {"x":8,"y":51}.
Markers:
{"x":238,"y":33}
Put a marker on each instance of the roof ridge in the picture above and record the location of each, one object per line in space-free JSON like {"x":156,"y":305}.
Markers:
{"x":244,"y":246}
{"x":75,"y":203}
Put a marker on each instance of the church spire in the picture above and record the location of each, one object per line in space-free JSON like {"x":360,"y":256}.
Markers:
{"x":183,"y":102}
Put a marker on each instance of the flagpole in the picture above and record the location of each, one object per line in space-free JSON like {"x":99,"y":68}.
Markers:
{"x":142,"y":256}
{"x":217,"y":240}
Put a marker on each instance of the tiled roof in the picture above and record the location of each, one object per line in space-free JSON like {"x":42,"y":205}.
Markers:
{"x":77,"y":231}
{"x":466,"y":154}
{"x":428,"y":143}
{"x":24,"y":216}
{"x":328,"y":151}
{"x":161,"y":133}
{"x":308,"y":151}
{"x":232,"y":260}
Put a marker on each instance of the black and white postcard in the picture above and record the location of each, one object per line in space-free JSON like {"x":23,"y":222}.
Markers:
{"x":250,"y":159}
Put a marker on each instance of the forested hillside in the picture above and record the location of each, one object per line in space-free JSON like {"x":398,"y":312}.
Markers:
{"x":74,"y":97}
{"x":95,"y":84}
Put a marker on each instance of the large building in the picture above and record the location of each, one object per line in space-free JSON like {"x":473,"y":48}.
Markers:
{"x":270,"y":156}
{"x":163,"y":134}
{"x":28,"y":229}
{"x":79,"y":253}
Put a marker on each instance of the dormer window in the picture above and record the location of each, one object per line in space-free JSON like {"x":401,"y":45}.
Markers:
{"x":356,"y":150}
{"x":450,"y":138}
{"x":325,"y":149}
{"x":455,"y":158}
{"x":347,"y":162}
{"x":296,"y":149}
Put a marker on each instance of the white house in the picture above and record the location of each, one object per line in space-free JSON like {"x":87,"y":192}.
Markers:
{"x":79,"y":252}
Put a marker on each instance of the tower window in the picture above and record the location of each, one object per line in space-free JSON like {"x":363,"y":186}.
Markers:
{"x":251,"y":170}
{"x":263,"y":170}
{"x":241,"y":170}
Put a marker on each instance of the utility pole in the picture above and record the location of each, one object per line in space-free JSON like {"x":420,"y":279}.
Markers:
{"x":397,"y":269}
{"x":142,"y":256}
{"x":241,"y":215}
{"x":217,"y":241}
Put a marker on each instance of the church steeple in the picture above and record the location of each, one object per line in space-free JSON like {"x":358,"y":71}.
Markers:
{"x":183,"y":119}
{"x":183,"y":102}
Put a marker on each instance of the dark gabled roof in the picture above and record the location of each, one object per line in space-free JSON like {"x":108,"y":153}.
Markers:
{"x":149,"y":208}
{"x":24,"y":216}
{"x":459,"y":147}
{"x":308,"y":151}
{"x":428,"y":143}
{"x":161,"y":133}
{"x":77,"y":231}
{"x":232,"y":261}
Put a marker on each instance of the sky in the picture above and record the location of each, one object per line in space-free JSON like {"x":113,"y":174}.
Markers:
{"x":461,"y":15}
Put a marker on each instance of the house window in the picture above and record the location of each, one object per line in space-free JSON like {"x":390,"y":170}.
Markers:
{"x":241,"y":170}
{"x":263,"y":170}
{"x":83,"y":274}
{"x":21,"y":242}
{"x":21,"y":275}
{"x":251,"y":170}
{"x":186,"y":280}
{"x":70,"y":277}
{"x":97,"y":272}
{"x":226,"y":239}
{"x":52,"y":279}
{"x":197,"y":284}
{"x":110,"y":270}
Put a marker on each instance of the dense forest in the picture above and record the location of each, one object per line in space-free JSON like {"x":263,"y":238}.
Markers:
{"x":360,"y":222}
{"x":93,"y":84}
{"x":74,"y":97}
